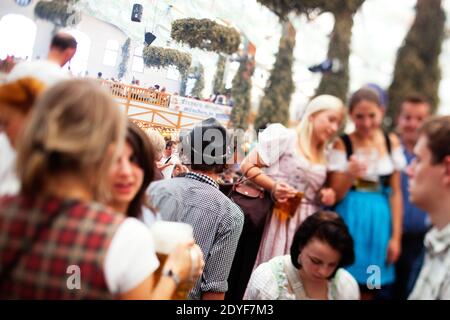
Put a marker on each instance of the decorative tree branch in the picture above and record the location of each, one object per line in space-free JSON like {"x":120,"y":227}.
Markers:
{"x":417,"y":68}
{"x":123,"y":67}
{"x":242,"y":85}
{"x":199,"y":74}
{"x":61,"y":13}
{"x":274,"y":106}
{"x":206,"y":34}
{"x":219,"y":85}
{"x":158,"y":57}
{"x":339,"y":47}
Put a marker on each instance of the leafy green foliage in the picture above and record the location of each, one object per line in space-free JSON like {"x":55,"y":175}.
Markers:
{"x":274,"y":106}
{"x":283,"y":7}
{"x":240,"y":91}
{"x":199,"y":74}
{"x":417,"y":68}
{"x":123,"y":66}
{"x":60,"y":12}
{"x":219,"y":85}
{"x":206,"y":34}
{"x":164,"y":57}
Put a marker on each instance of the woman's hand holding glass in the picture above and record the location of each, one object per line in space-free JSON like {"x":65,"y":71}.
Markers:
{"x":186,"y":261}
{"x":356,"y":167}
{"x":282,"y":192}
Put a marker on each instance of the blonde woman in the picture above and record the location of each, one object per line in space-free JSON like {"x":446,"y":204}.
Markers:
{"x":55,"y":229}
{"x":159,"y":144}
{"x":291,"y":160}
{"x":16,"y":101}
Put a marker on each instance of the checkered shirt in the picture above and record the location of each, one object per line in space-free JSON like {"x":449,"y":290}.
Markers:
{"x":216,"y":220}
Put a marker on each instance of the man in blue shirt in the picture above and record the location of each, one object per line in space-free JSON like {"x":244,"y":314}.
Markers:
{"x":414,"y":110}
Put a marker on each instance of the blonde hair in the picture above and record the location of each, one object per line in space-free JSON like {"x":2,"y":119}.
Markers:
{"x":71,"y":130}
{"x":305,"y":128}
{"x":157,"y":141}
{"x":20,"y":95}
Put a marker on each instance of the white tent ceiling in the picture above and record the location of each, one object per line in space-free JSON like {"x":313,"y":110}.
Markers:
{"x":379,"y":29}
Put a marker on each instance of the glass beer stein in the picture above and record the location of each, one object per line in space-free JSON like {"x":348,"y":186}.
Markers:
{"x":286,"y":210}
{"x":167,"y":235}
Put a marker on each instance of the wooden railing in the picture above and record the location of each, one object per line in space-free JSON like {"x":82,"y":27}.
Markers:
{"x":149,"y":106}
{"x":138,"y":94}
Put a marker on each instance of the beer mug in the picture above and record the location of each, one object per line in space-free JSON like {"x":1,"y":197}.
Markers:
{"x":166,"y":236}
{"x":286,"y":210}
{"x":369,"y":157}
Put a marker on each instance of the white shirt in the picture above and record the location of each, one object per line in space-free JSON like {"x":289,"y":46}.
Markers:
{"x":46,"y":71}
{"x":434,"y":278}
{"x":9,"y":183}
{"x":130,"y":258}
{"x":396,"y":161}
{"x":167,"y":171}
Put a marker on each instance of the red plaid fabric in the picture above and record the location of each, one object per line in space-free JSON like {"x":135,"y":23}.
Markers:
{"x":68,"y":233}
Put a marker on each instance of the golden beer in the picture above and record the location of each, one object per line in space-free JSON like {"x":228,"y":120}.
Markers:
{"x":286,"y":210}
{"x":167,"y":235}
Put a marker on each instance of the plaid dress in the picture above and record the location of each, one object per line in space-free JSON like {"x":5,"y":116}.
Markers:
{"x":54,"y":248}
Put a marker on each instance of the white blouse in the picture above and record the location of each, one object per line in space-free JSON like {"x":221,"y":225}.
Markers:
{"x":277,"y":140}
{"x":272,"y":280}
{"x":396,"y":161}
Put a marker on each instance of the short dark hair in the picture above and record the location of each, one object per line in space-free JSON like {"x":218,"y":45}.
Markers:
{"x":63,"y":41}
{"x":437,"y":131}
{"x":415,"y":99}
{"x":215,"y":168}
{"x":362,"y":94}
{"x":144,"y":157}
{"x":207,"y":147}
{"x":328,"y":227}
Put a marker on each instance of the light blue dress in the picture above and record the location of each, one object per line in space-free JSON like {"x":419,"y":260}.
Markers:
{"x":369,"y":219}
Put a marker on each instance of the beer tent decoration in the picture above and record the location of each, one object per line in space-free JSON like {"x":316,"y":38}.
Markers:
{"x":274,"y":106}
{"x":199,"y":75}
{"x":62,"y":13}
{"x":208,"y":35}
{"x":241,"y":92}
{"x":335,"y":83}
{"x":123,"y":66}
{"x":417,"y":69}
{"x":218,"y":84}
{"x":158,"y":57}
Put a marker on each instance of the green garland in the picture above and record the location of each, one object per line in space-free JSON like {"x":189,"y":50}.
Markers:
{"x":206,"y":34}
{"x":417,"y":68}
{"x":219,"y":85}
{"x":158,"y":57}
{"x":199,"y":74}
{"x":274,"y":106}
{"x":123,"y":67}
{"x":240,"y":91}
{"x":283,"y":7}
{"x":59,"y":12}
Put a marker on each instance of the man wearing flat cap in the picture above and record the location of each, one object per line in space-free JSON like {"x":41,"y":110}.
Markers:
{"x":196,"y":199}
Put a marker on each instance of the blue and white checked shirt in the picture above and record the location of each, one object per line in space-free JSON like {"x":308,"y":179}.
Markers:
{"x":217,"y":222}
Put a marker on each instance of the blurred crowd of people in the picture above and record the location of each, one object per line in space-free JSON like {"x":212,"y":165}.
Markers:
{"x":363,"y":215}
